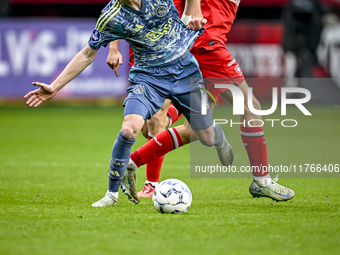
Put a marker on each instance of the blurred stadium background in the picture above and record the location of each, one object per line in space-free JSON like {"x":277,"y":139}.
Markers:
{"x":54,"y":159}
{"x":270,"y":39}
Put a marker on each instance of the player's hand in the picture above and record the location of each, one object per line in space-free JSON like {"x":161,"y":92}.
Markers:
{"x":40,"y":95}
{"x":196,"y":24}
{"x":114,"y":59}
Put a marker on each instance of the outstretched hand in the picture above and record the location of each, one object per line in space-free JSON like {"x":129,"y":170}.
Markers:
{"x":40,"y":95}
{"x":196,"y":24}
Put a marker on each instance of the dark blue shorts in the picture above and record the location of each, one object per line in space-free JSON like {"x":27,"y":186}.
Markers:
{"x":179,"y":80}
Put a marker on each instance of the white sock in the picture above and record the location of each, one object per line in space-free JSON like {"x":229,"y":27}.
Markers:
{"x":115,"y":194}
{"x":152,"y":183}
{"x":263,"y":181}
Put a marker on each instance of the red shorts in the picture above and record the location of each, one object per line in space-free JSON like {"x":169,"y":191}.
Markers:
{"x":218,"y":64}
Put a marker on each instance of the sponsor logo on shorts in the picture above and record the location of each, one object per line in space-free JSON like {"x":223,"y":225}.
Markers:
{"x":236,"y":2}
{"x":138,"y":89}
{"x":238,"y":70}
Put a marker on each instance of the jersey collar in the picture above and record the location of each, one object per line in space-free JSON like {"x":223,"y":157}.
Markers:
{"x":133,"y":10}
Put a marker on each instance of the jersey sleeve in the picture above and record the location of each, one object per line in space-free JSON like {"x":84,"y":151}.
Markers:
{"x":108,"y":27}
{"x":100,"y":38}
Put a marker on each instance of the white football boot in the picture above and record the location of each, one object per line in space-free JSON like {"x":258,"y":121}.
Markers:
{"x":273,"y":190}
{"x":108,"y":200}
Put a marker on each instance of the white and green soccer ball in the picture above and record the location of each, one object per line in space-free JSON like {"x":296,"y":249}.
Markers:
{"x":172,"y":196}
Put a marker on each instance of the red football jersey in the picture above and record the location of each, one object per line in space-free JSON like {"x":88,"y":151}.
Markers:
{"x":220,"y":15}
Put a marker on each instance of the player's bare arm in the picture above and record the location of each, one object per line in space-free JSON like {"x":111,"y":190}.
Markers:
{"x":115,"y":58}
{"x":84,"y":58}
{"x":197,"y":12}
{"x":190,"y":6}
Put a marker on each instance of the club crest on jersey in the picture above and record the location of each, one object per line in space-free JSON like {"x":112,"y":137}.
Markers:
{"x":138,"y":89}
{"x":238,"y":70}
{"x":160,"y":11}
{"x":95,"y":36}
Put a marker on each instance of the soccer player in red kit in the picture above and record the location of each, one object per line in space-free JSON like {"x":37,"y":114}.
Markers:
{"x":215,"y":61}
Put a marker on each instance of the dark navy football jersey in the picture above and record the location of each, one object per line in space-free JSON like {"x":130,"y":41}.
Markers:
{"x":156,"y":33}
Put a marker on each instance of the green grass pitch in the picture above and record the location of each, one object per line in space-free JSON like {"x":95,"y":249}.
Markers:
{"x":54,"y":164}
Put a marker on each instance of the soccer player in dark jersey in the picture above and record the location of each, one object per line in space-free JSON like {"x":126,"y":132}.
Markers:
{"x":164,"y":118}
{"x":164,"y":68}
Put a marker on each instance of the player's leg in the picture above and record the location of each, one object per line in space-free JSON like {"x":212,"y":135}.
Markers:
{"x":187,"y":96}
{"x":160,"y":120}
{"x":164,"y":142}
{"x":256,"y":147}
{"x":168,"y":140}
{"x":166,"y":116}
{"x":181,"y":92}
{"x":253,"y":136}
{"x":132,"y":124}
{"x":220,"y":64}
{"x":156,"y":124}
{"x":173,"y":114}
{"x":214,"y":136}
{"x":142,"y":103}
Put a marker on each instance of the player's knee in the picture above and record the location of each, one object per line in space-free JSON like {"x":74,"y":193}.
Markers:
{"x":129,"y":131}
{"x":206,"y":137}
{"x":207,"y":141}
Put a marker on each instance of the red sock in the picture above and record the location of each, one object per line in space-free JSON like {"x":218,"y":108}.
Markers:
{"x":153,"y":168}
{"x":159,"y":145}
{"x":173,"y":114}
{"x":256,"y":146}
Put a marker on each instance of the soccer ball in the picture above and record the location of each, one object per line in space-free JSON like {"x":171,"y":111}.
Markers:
{"x":172,"y":196}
